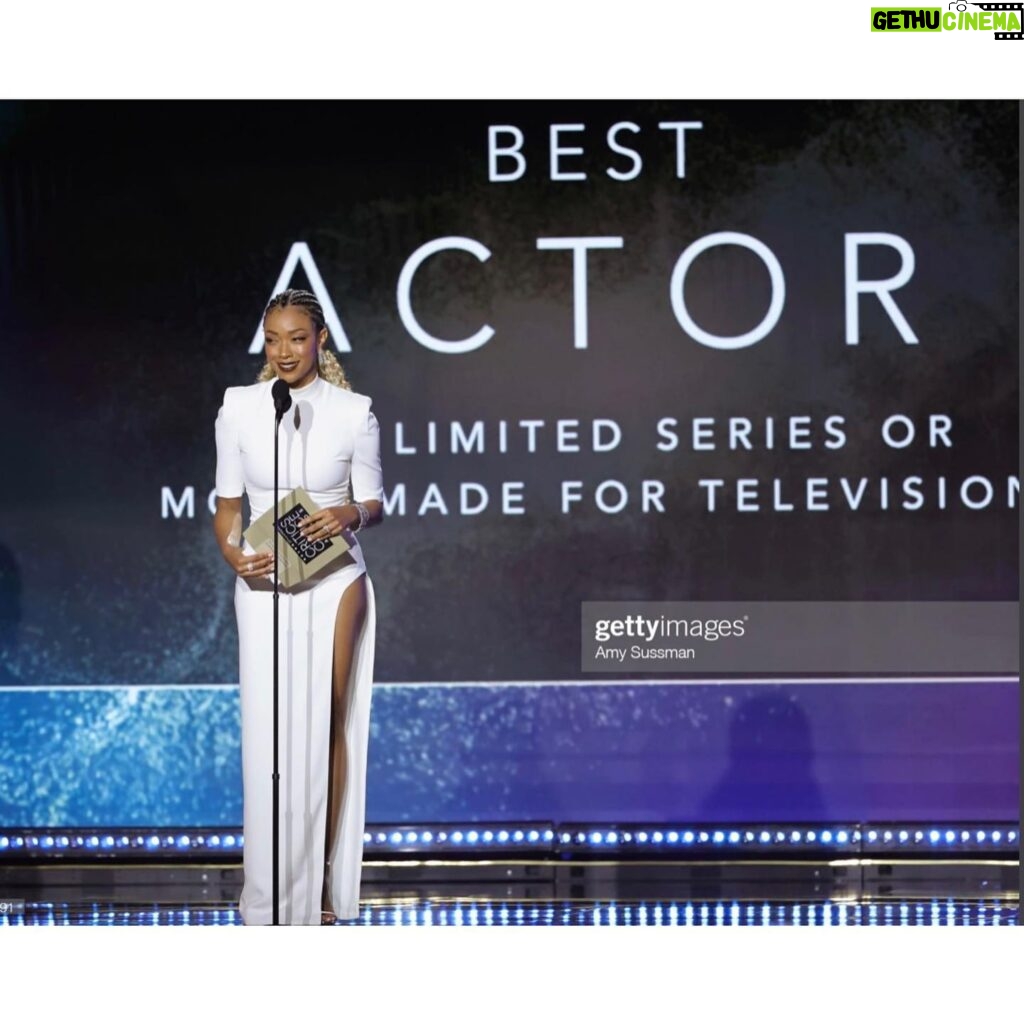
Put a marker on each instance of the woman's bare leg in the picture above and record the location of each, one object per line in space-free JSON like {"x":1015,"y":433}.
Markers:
{"x":349,"y":621}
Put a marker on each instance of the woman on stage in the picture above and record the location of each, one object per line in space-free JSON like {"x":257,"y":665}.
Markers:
{"x":328,"y":444}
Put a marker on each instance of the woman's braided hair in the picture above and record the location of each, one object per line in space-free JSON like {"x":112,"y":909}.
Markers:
{"x":327,"y":365}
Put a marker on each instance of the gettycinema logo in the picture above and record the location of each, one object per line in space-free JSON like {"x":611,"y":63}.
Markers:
{"x":1004,"y":20}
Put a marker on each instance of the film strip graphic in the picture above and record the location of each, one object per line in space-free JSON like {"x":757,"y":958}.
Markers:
{"x":1019,"y":8}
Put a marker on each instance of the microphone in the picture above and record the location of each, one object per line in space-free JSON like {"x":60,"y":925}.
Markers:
{"x":282,"y":397}
{"x":282,"y":403}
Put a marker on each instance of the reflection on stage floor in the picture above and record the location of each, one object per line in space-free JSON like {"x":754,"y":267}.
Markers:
{"x":408,"y":893}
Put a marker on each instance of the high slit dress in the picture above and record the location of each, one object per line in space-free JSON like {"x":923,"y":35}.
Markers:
{"x":330,"y":445}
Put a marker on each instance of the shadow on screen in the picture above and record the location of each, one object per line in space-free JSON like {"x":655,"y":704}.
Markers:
{"x":770,"y":772}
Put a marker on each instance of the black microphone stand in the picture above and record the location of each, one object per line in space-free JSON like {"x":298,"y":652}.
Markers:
{"x":281,"y":403}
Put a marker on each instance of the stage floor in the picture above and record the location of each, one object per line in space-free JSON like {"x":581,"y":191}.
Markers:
{"x":409,"y":893}
{"x":458,"y":912}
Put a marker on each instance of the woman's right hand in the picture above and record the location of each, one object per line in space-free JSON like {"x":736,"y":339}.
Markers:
{"x":250,"y":566}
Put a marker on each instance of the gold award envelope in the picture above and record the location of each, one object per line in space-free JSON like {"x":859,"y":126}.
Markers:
{"x":298,"y":557}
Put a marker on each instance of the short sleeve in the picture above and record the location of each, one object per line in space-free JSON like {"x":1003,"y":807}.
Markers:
{"x":230,"y":482}
{"x":367,"y":477}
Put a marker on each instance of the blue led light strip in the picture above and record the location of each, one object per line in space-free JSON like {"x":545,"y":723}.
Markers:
{"x":469,"y":837}
{"x":836,"y":838}
{"x":545,"y":839}
{"x":111,"y":842}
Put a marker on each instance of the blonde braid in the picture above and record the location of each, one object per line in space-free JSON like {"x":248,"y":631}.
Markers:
{"x":331,"y":370}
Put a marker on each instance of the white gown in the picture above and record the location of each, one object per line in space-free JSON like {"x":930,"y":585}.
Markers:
{"x":329,"y":442}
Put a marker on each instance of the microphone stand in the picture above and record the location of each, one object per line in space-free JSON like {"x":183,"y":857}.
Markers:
{"x":280,"y":409}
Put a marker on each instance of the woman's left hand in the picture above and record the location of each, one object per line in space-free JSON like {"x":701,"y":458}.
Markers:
{"x":328,"y":522}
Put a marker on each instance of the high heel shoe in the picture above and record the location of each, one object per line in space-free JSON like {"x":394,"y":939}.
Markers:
{"x":327,"y":916}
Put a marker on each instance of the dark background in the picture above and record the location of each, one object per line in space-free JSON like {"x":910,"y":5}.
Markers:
{"x":139,"y":243}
